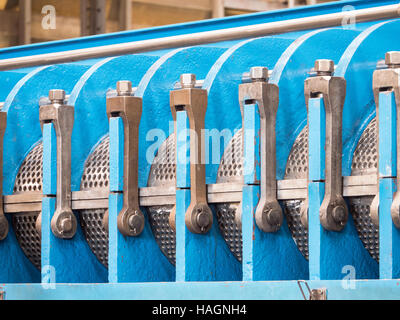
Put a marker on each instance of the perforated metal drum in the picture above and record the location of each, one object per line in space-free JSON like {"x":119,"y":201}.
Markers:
{"x":364,"y":163}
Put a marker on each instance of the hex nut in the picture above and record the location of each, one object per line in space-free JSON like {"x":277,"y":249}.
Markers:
{"x":324,"y":66}
{"x":188,"y":80}
{"x":56,"y":95}
{"x":124,"y":88}
{"x":392,"y":58}
{"x":258,"y":73}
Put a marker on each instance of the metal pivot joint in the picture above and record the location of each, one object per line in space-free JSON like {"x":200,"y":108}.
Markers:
{"x":130,"y":219}
{"x":198,"y":216}
{"x":3,"y":219}
{"x":333,"y":210}
{"x":63,"y":222}
{"x":269,"y":216}
{"x":388,"y":81}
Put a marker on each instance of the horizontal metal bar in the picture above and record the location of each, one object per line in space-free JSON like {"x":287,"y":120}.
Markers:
{"x":216,"y":193}
{"x":208,"y":290}
{"x":243,"y":32}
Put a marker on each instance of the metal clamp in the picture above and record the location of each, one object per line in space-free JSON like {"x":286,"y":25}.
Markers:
{"x":388,"y":80}
{"x":333,"y":210}
{"x":198,"y":217}
{"x":3,"y":219}
{"x":314,"y":294}
{"x":269,"y":216}
{"x":63,"y":222}
{"x":130,"y":220}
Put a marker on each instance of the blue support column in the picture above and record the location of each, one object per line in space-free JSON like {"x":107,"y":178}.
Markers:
{"x":389,"y":235}
{"x":49,"y":255}
{"x":199,"y":257}
{"x":131,"y":259}
{"x":266,"y":256}
{"x":316,"y":188}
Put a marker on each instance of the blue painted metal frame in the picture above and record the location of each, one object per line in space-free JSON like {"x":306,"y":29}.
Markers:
{"x":389,"y":235}
{"x":255,"y":290}
{"x":187,"y":28}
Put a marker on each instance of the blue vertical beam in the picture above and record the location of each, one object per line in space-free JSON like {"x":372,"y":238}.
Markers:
{"x":316,"y":186}
{"x":131,"y":259}
{"x":266,"y":256}
{"x":389,"y":235}
{"x":199,"y":257}
{"x":251,"y":264}
{"x":49,"y":251}
{"x":56,"y":253}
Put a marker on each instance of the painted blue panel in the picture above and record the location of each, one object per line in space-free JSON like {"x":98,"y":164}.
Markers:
{"x":250,"y":198}
{"x":257,"y":290}
{"x":49,"y":160}
{"x":316,"y":149}
{"x":389,"y":235}
{"x":183,"y":150}
{"x":387,"y":135}
{"x":188,"y":28}
{"x":116,"y":154}
{"x":251,"y":142}
{"x":316,"y":191}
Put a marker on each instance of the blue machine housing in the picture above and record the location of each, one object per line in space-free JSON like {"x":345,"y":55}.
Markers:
{"x":205,"y":267}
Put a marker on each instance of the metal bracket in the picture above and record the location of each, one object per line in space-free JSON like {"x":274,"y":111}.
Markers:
{"x":130,"y":219}
{"x":3,"y":220}
{"x":63,"y":223}
{"x":269,"y":216}
{"x":198,"y":217}
{"x":388,"y":80}
{"x":314,"y":294}
{"x":333,"y":210}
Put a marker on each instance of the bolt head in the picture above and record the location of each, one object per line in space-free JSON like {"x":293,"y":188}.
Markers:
{"x":188,"y":80}
{"x":135,"y":222}
{"x":339,"y":214}
{"x":203,"y":219}
{"x":124,"y":88}
{"x":66,"y":225}
{"x":56,"y":95}
{"x":324,"y":66}
{"x":392,"y":58}
{"x":258,"y":73}
{"x":274,"y":217}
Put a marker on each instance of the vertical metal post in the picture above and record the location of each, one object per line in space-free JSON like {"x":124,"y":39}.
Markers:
{"x":385,"y":208}
{"x":218,"y":8}
{"x":25,"y":21}
{"x":125,"y":14}
{"x":93,"y":17}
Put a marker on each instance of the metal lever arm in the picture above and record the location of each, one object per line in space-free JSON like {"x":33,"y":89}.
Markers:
{"x":3,"y":219}
{"x":333,"y":210}
{"x":268,"y":215}
{"x":130,"y":220}
{"x":388,"y":80}
{"x":198,"y":217}
{"x":63,"y":222}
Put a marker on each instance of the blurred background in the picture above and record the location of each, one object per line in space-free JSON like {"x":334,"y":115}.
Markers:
{"x":30,"y":21}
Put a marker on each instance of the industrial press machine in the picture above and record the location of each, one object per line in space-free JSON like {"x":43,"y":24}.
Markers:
{"x":250,"y":157}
